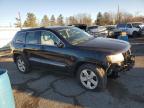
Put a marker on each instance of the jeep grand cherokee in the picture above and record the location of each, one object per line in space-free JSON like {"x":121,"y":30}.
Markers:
{"x":73,"y":51}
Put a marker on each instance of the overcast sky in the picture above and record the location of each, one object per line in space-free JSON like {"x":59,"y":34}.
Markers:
{"x":9,"y":8}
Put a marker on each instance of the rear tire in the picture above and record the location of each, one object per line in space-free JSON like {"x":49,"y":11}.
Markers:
{"x":23,"y":64}
{"x":92,"y":77}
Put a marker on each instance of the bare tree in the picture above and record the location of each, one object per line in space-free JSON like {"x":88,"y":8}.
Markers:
{"x":18,"y":21}
{"x":72,"y":20}
{"x":138,"y":19}
{"x":84,"y":19}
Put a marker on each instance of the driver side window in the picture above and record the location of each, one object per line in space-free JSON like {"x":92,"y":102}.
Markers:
{"x":49,"y":38}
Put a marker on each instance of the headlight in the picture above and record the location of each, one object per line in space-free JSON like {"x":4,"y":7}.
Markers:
{"x":106,"y":32}
{"x":110,"y":33}
{"x":117,"y":58}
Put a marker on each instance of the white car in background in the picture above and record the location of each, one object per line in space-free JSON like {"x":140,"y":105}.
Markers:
{"x":132,"y":29}
{"x":142,"y":31}
{"x":97,"y":31}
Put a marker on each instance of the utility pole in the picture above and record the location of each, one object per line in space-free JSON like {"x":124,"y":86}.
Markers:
{"x":118,"y":14}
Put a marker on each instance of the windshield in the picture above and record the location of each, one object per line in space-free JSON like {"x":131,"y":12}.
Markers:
{"x":74,"y":35}
{"x":111,"y":27}
{"x":121,"y":25}
{"x":92,"y":28}
{"x":137,"y":25}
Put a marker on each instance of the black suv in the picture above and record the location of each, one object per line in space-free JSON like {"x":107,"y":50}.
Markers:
{"x":73,"y":51}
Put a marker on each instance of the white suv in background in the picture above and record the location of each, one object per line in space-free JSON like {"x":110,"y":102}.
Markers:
{"x":132,"y":29}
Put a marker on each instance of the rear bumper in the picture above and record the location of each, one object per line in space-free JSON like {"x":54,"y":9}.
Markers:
{"x":124,"y":66}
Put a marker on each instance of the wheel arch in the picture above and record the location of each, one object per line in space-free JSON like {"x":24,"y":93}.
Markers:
{"x":15,"y":55}
{"x":87,"y":62}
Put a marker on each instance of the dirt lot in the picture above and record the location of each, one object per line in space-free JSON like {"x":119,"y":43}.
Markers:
{"x":44,"y":89}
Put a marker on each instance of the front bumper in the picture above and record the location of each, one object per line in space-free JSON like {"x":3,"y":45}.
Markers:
{"x":124,"y":66}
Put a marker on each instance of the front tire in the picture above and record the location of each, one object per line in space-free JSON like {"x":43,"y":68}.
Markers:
{"x":92,"y":77}
{"x":23,"y":64}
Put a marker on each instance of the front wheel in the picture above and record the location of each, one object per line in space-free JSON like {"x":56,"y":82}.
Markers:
{"x":92,"y":77}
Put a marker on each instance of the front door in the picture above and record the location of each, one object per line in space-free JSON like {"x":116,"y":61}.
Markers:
{"x":129,"y":29}
{"x":51,"y":55}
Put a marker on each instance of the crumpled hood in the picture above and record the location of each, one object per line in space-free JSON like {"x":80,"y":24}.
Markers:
{"x":107,"y":45}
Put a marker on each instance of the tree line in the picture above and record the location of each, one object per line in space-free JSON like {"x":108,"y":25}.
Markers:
{"x":106,"y":18}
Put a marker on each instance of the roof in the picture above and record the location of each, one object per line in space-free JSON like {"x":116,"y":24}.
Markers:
{"x":50,"y":28}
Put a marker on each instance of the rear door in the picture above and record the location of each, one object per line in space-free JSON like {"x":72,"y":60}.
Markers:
{"x":32,"y":45}
{"x":18,"y":42}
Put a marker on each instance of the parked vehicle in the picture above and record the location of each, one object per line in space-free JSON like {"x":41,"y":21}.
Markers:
{"x":98,"y":31}
{"x":142,"y":31}
{"x":113,"y":32}
{"x":132,"y":29}
{"x":73,"y":51}
{"x":110,"y":29}
{"x":81,"y":26}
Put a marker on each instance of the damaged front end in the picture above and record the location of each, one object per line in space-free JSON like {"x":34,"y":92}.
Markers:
{"x":128,"y":63}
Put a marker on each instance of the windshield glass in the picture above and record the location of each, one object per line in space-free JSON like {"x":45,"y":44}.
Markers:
{"x":74,"y":35}
{"x":111,"y":27}
{"x":137,"y":25}
{"x":121,"y":25}
{"x":92,"y":28}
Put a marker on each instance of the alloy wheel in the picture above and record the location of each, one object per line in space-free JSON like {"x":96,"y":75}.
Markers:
{"x":21,"y":65}
{"x":89,"y":79}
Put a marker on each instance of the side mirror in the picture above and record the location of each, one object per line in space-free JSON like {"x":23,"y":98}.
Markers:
{"x":59,"y":45}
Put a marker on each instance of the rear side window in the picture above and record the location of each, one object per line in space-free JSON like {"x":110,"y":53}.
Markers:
{"x":20,"y":37}
{"x":31,"y":38}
